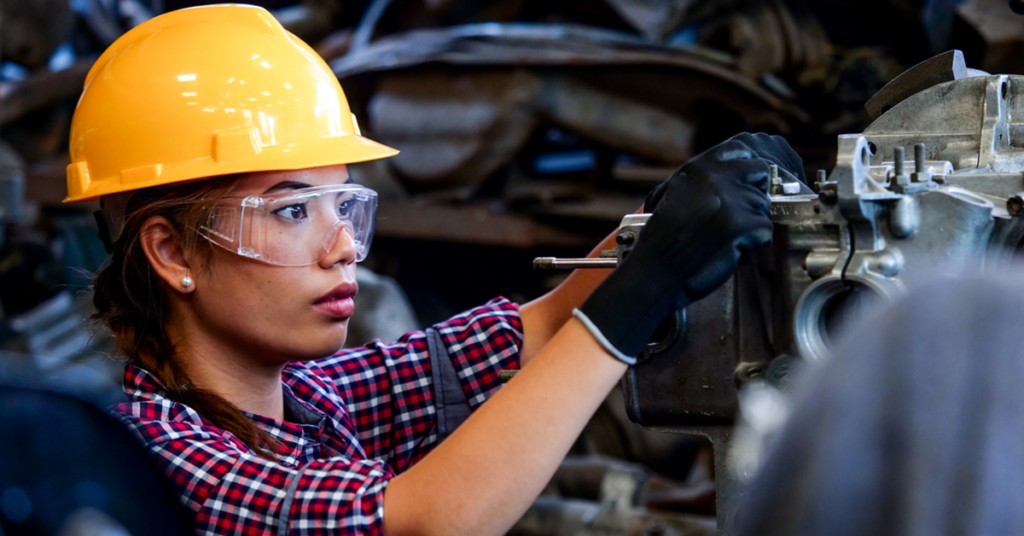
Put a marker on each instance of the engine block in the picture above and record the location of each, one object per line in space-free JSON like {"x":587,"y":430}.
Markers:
{"x":933,"y":184}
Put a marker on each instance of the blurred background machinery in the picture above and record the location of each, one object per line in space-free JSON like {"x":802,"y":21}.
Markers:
{"x":527,"y":128}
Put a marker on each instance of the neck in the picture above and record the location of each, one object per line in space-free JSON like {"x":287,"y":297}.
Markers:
{"x":230,"y":372}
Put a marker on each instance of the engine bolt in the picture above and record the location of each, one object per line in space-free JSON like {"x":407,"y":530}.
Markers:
{"x":919,"y":174}
{"x":828,"y":197}
{"x":773,"y":174}
{"x":822,"y":177}
{"x":1015,"y":205}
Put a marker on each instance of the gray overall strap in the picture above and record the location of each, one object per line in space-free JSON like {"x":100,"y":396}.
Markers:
{"x":289,"y":498}
{"x":449,"y":398}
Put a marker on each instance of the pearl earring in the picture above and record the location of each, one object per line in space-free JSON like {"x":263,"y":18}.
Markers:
{"x":186,"y":281}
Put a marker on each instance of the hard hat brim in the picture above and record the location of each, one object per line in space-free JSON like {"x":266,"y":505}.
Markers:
{"x":326,"y":151}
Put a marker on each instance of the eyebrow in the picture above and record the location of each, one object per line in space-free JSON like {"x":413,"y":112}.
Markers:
{"x":286,"y":185}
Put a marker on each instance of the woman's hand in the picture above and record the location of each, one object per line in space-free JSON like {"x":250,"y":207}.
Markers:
{"x":775,"y":149}
{"x":710,"y":209}
{"x":543,"y":316}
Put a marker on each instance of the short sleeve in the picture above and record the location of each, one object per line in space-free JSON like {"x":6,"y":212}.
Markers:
{"x":389,"y":390}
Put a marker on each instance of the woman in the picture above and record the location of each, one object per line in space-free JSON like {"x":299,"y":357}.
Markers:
{"x":229,"y":297}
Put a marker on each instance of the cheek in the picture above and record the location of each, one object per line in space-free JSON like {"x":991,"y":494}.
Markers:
{"x":269,"y":310}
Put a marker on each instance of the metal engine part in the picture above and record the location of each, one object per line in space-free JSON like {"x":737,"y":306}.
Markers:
{"x":881,"y":222}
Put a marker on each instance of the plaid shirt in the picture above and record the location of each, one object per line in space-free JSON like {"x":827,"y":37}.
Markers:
{"x":355,"y":419}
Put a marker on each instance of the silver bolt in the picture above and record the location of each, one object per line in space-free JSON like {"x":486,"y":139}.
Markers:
{"x":822,"y":178}
{"x":897,"y":156}
{"x":919,"y":173}
{"x":773,"y":174}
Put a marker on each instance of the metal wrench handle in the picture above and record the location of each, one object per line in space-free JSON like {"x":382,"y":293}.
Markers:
{"x":554,"y":263}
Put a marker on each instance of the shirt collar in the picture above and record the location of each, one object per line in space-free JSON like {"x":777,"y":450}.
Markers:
{"x":139,"y":384}
{"x":303,"y":423}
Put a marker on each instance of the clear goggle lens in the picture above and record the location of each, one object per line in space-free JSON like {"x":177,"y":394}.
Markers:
{"x":295,"y":228}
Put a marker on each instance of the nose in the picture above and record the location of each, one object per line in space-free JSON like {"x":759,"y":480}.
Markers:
{"x":340,"y":246}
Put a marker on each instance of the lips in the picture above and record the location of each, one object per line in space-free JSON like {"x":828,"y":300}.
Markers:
{"x":338,"y":302}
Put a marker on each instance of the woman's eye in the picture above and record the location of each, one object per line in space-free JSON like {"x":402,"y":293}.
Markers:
{"x":292,"y":212}
{"x":345,"y":207}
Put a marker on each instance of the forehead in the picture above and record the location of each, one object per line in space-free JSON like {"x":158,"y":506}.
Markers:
{"x":261,"y":181}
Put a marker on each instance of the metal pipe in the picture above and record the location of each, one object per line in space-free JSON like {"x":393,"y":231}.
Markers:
{"x":553,"y":263}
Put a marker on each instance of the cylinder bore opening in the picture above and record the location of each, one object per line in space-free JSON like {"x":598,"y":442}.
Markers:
{"x":843,"y":309}
{"x":828,"y":308}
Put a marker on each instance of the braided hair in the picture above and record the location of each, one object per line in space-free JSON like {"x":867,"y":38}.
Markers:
{"x":131,"y":300}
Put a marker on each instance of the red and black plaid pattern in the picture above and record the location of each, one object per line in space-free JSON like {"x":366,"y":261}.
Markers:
{"x":368,"y":414}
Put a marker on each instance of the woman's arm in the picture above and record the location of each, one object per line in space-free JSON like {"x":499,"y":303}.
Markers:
{"x":485,"y":475}
{"x":544,"y":316}
{"x":482,"y":478}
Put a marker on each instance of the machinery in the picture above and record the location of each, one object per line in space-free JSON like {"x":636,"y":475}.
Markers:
{"x":934,"y":185}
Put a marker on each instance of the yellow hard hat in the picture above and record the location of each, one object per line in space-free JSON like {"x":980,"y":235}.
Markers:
{"x":207,"y":91}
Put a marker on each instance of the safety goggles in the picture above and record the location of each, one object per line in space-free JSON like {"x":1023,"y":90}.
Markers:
{"x":296,"y":227}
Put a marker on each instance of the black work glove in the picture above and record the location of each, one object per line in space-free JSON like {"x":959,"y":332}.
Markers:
{"x":775,"y":149}
{"x":708,"y":210}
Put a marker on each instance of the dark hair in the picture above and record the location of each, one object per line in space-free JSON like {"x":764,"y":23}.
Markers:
{"x":131,"y":300}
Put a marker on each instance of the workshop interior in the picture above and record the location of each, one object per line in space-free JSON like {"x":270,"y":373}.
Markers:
{"x":527,"y":132}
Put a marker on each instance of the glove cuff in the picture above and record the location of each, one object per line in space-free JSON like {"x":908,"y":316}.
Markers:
{"x":600,"y":338}
{"x":628,"y":306}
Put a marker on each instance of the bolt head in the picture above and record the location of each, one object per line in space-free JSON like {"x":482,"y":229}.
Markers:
{"x":625,"y":238}
{"x":1015,"y":205}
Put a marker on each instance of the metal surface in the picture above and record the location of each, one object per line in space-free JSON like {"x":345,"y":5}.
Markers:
{"x":454,"y":128}
{"x":42,"y":89}
{"x":598,"y":495}
{"x":655,"y":19}
{"x":942,"y":68}
{"x":1000,"y":31}
{"x":552,"y":263}
{"x":459,"y":126}
{"x":573,"y":517}
{"x":562,"y":45}
{"x":727,"y":487}
{"x":766,"y":36}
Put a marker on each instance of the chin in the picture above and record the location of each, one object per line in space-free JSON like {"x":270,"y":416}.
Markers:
{"x":319,"y":347}
{"x":299,"y":338}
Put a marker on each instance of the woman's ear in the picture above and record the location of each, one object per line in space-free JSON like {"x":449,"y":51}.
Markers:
{"x":166,"y":254}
